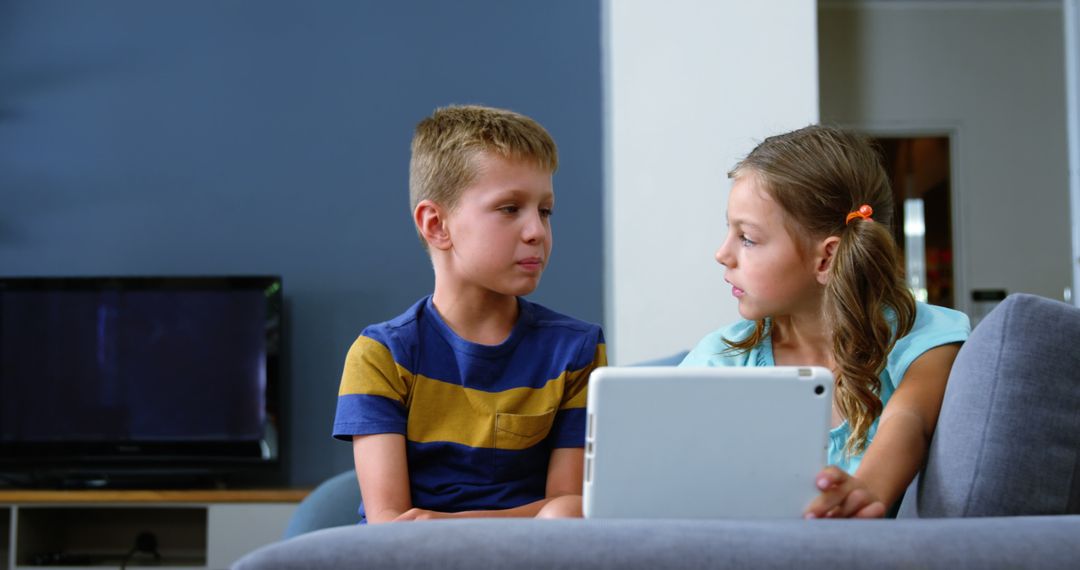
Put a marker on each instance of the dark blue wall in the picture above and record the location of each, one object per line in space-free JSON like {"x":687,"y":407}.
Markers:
{"x":176,"y":137}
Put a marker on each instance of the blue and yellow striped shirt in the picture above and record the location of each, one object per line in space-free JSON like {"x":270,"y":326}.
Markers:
{"x":479,"y":421}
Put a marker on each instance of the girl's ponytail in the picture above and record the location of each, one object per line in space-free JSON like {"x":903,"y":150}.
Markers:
{"x":865,"y":282}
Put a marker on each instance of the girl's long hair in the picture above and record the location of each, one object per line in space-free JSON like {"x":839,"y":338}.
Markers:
{"x":819,"y":175}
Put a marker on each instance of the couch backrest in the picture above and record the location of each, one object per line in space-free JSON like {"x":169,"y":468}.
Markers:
{"x":1008,"y":438}
{"x":335,"y":502}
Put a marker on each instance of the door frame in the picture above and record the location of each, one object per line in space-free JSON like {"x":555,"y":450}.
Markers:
{"x":952,"y":130}
{"x":1071,"y":19}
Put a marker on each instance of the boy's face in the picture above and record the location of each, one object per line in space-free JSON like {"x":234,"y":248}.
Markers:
{"x":768,"y":272}
{"x":500,"y":228}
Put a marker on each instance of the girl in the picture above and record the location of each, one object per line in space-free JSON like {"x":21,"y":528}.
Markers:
{"x":811,"y":260}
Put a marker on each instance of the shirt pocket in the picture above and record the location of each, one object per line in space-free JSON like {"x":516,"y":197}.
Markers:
{"x":518,"y":457}
{"x":521,"y":431}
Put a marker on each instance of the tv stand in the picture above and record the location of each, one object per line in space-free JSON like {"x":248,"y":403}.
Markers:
{"x":139,"y":481}
{"x":191,"y":529}
{"x":134,"y":479}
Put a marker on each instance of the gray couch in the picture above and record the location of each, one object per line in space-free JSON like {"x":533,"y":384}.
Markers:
{"x":1001,"y":489}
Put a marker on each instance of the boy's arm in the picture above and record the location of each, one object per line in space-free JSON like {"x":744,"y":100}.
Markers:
{"x":564,"y":478}
{"x":383,"y":473}
{"x":899,"y":447}
{"x":565,"y":472}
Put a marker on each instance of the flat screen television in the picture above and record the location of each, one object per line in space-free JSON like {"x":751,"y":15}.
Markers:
{"x":138,"y":381}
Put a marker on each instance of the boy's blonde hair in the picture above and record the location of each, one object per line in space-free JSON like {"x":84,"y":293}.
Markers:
{"x":445,"y":144}
{"x":818,"y":175}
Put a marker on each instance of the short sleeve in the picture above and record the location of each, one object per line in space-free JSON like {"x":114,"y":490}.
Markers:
{"x":713,"y":351}
{"x":933,"y":327}
{"x":373,"y":391}
{"x":569,"y":427}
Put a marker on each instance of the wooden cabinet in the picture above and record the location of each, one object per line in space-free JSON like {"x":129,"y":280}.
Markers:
{"x":99,"y":529}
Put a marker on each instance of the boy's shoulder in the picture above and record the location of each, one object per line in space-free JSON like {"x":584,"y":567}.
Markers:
{"x":544,"y":341}
{"x":403,"y":332}
{"x":385,"y":330}
{"x":407,"y":319}
{"x":543,"y":317}
{"x":553,"y":333}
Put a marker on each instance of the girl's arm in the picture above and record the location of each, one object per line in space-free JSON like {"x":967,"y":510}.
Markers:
{"x":899,"y":448}
{"x":564,"y":480}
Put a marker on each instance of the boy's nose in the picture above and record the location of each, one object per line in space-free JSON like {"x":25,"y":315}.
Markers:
{"x":534,"y":229}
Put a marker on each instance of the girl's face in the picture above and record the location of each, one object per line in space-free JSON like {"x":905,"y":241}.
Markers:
{"x":771,"y":273}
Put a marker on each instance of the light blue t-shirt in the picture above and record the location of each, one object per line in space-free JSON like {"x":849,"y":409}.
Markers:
{"x":934,"y":326}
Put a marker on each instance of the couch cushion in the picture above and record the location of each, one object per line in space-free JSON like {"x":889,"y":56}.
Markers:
{"x":335,"y":502}
{"x":1008,"y":438}
{"x":524,"y":544}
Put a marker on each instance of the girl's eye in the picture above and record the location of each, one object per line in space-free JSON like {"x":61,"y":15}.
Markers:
{"x":546,"y":212}
{"x":509,"y":209}
{"x":747,"y":242}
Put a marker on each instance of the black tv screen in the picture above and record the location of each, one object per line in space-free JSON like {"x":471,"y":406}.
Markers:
{"x":128,"y":373}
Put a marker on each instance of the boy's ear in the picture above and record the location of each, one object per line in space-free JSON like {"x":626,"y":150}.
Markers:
{"x":430,"y":221}
{"x":824,"y":255}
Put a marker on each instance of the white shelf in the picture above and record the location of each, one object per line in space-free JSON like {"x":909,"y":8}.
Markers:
{"x":194,"y":530}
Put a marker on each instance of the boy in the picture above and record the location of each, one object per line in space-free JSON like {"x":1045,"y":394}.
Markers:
{"x":471,"y":403}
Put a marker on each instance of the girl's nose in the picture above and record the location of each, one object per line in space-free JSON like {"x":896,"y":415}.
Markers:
{"x":722,"y":256}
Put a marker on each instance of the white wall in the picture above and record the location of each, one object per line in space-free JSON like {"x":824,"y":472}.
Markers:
{"x":690,"y":87}
{"x":993,"y":74}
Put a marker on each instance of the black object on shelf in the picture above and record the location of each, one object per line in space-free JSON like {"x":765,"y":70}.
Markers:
{"x":983,"y":301}
{"x":145,"y":542}
{"x":60,"y":559}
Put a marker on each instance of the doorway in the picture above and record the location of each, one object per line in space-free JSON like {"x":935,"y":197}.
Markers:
{"x":919,"y":170}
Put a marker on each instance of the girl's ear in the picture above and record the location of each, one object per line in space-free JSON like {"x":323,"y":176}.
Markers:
{"x":826,"y":252}
{"x":430,"y":221}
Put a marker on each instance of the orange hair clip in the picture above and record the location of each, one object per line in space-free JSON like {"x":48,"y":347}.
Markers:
{"x":864,"y":212}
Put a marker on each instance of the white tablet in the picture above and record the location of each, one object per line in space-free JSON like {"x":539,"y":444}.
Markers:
{"x":665,"y":442}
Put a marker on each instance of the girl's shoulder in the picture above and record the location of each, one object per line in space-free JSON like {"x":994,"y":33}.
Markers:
{"x":714,"y":351}
{"x":934,"y":326}
{"x":933,"y":318}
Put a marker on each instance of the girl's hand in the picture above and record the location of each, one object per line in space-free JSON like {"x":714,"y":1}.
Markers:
{"x":843,"y":496}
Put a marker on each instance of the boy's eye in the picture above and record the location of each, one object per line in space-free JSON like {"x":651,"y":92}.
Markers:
{"x":509,"y":209}
{"x":546,"y":212}
{"x":747,"y":242}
